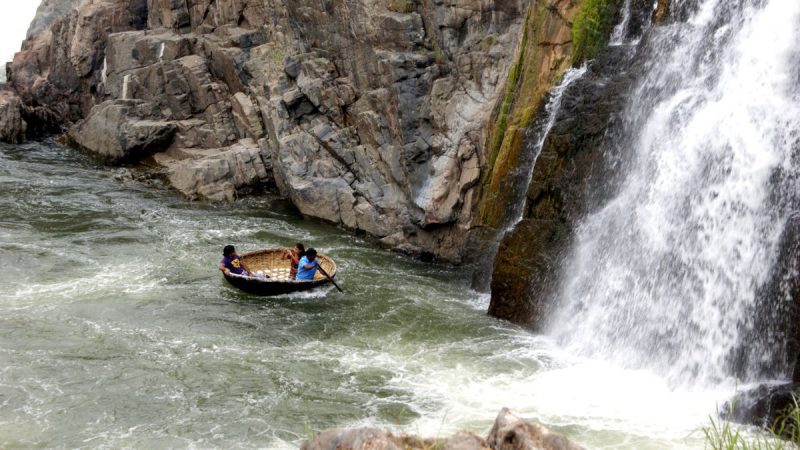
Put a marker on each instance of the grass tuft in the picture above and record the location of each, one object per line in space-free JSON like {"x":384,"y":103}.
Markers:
{"x":592,"y":28}
{"x":783,"y":435}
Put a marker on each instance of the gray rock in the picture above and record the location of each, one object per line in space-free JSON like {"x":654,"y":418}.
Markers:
{"x":247,"y":116}
{"x":221,"y":174}
{"x":386,"y":145}
{"x":12,"y":126}
{"x":511,"y":432}
{"x":118,"y":132}
{"x":48,"y":12}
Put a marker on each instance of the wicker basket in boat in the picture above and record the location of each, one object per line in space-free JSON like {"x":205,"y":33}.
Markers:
{"x":274,"y":264}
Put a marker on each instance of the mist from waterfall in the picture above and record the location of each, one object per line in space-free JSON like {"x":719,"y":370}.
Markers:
{"x":667,"y":275}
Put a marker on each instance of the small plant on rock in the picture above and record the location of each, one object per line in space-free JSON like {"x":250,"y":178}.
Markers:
{"x":784,"y":434}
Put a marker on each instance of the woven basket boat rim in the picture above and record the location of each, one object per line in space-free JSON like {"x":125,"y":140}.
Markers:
{"x":277,"y":261}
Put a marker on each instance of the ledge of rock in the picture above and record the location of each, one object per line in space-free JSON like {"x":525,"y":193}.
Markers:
{"x":218,"y":174}
{"x":120,"y":131}
{"x":510,"y":432}
{"x":12,"y":125}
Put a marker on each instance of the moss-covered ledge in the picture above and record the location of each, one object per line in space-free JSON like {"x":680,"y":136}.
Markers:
{"x":525,"y":272}
{"x":592,"y":28}
{"x":544,"y":54}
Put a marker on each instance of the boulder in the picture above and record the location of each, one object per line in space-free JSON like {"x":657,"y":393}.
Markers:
{"x":120,"y":132}
{"x":220,"y":174}
{"x":764,"y":406}
{"x":508,"y":433}
{"x":12,"y":125}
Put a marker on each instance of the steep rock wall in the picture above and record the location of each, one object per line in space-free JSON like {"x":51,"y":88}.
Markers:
{"x":564,"y":180}
{"x":372,"y":115}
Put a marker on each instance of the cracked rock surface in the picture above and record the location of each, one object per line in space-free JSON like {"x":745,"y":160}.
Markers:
{"x":368,"y":114}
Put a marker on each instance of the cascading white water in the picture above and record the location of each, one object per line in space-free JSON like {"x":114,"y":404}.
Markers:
{"x":541,"y":131}
{"x":618,"y":34}
{"x":666,"y":275}
{"x":125,"y":81}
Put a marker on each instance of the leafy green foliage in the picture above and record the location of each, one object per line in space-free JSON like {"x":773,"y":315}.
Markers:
{"x":592,"y":28}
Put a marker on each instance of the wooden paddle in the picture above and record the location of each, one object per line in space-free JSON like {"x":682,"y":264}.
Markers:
{"x":329,"y":277}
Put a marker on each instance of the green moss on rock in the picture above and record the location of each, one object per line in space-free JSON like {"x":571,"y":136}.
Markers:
{"x":537,"y":66}
{"x":592,"y":28}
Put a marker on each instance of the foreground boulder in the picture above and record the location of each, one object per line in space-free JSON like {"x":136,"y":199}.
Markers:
{"x":12,"y":126}
{"x":509,"y":432}
{"x":373,"y":438}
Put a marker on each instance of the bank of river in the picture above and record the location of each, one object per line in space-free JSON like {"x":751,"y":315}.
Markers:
{"x":117,"y":330}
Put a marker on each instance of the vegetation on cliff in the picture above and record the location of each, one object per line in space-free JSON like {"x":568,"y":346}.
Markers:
{"x":541,"y":60}
{"x":592,"y":28}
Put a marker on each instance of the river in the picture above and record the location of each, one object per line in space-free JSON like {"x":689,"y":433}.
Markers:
{"x":117,"y":330}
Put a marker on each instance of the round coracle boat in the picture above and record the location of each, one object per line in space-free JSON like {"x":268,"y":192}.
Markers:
{"x":271,"y":269}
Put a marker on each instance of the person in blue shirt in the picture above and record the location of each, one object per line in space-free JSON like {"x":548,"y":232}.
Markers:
{"x":308,"y":266}
{"x":232,"y":263}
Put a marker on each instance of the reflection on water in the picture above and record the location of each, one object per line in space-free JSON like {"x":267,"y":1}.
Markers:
{"x":116,"y":329}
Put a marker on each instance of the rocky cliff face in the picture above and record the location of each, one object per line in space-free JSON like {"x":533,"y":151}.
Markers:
{"x":372,"y":115}
{"x":525,"y":271}
{"x":555,"y":196}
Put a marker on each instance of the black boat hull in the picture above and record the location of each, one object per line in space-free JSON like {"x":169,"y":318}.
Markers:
{"x":266,"y":288}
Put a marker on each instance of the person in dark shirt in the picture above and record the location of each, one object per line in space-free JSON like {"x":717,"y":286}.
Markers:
{"x":232,"y":263}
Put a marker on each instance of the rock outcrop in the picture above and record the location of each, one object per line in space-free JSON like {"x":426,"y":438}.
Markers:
{"x":766,"y":406}
{"x":509,"y":432}
{"x":370,"y":115}
{"x":525,"y":272}
{"x":118,"y":131}
{"x":12,"y":125}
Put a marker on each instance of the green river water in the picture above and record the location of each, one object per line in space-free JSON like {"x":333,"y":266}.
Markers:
{"x":117,"y":330}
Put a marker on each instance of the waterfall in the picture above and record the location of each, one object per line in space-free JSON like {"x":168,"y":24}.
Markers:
{"x":104,"y":72}
{"x":535,"y":135}
{"x":125,"y":80}
{"x":161,"y":52}
{"x":667,"y":275}
{"x":542,"y":130}
{"x":618,"y":34}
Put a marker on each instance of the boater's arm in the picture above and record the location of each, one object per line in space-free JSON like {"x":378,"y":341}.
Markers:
{"x":224,"y":269}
